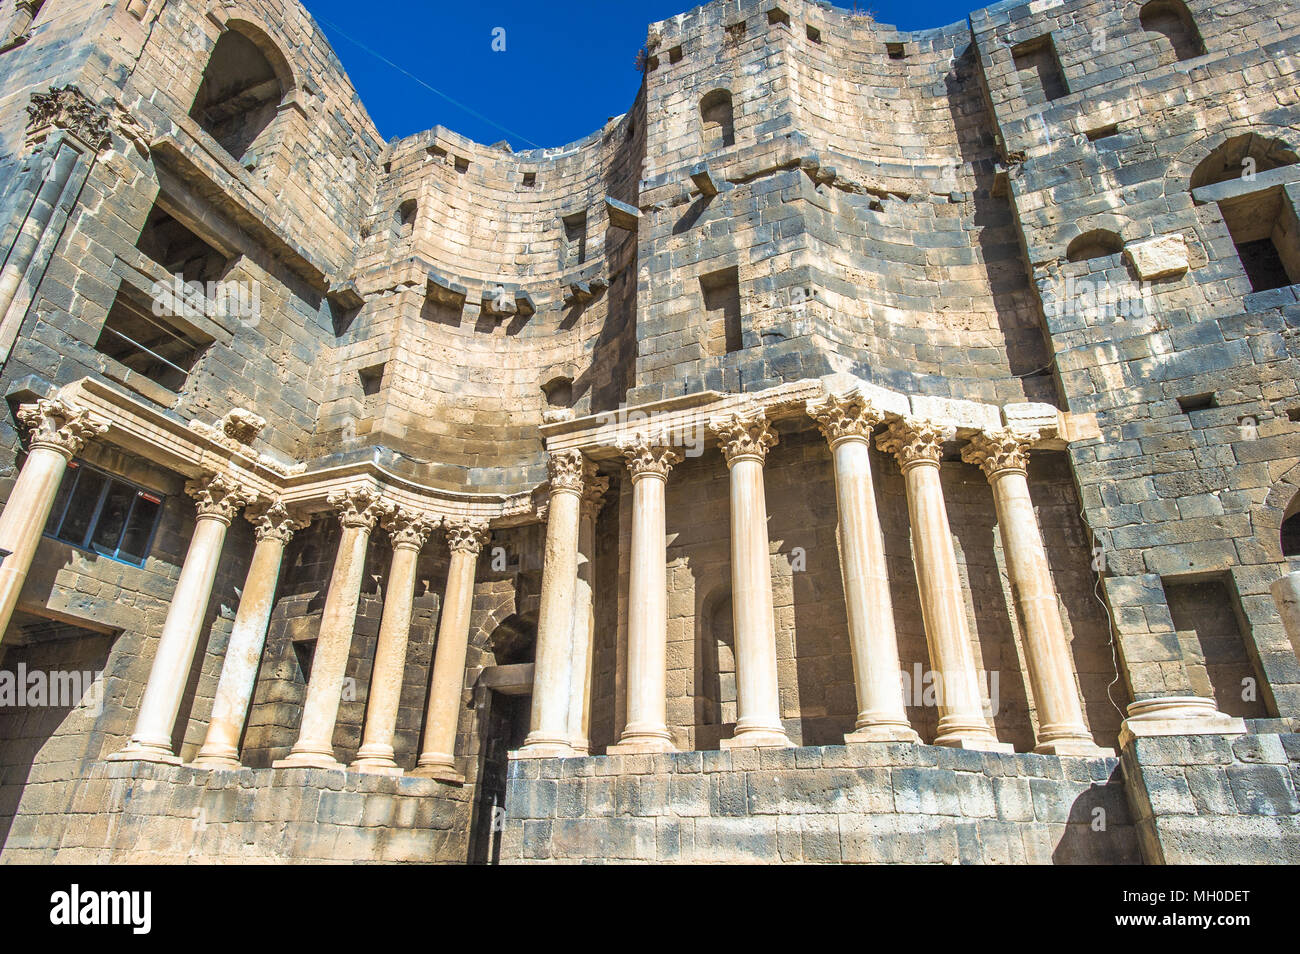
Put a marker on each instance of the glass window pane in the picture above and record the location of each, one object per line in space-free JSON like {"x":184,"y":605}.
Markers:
{"x":112,"y":518}
{"x":61,"y":501}
{"x":81,"y":510}
{"x":140,"y":527}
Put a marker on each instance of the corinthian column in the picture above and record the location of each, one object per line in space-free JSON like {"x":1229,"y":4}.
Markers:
{"x":846,"y":422}
{"x":58,"y":431}
{"x":408,"y":532}
{"x":649,"y":459}
{"x":918,"y":446}
{"x":359,"y":509}
{"x":218,"y":499}
{"x":1003,"y":455}
{"x":438,"y":759}
{"x":745,"y":439}
{"x":549,"y":736}
{"x":584,"y":620}
{"x":275,"y":528}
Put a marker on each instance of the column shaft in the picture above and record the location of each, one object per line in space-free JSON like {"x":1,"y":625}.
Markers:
{"x":59,"y":431}
{"x":881,"y":715}
{"x":646,"y":728}
{"x":1003,"y":456}
{"x":553,"y":667}
{"x":438,"y":757}
{"x":583,"y":631}
{"x":962,"y":721}
{"x":218,"y":499}
{"x":376,"y":751}
{"x":243,"y":655}
{"x":745,"y":439}
{"x":315,"y":745}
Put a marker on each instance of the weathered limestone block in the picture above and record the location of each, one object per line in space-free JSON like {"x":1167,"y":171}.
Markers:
{"x":1159,"y":257}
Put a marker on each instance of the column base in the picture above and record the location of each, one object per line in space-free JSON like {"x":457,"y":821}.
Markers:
{"x":145,"y":752}
{"x":438,"y":770}
{"x":758,"y":738}
{"x":1177,"y":715}
{"x":1074,"y":748}
{"x":974,"y":743}
{"x":644,"y":745}
{"x":540,"y":746}
{"x":376,"y":766}
{"x":882,"y":733}
{"x":215,"y":762}
{"x":309,"y":760}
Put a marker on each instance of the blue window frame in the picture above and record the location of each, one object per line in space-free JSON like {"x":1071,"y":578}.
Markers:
{"x":105,"y":515}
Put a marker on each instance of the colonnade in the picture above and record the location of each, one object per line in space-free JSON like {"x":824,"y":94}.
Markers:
{"x":744,"y":437}
{"x":561,"y":696}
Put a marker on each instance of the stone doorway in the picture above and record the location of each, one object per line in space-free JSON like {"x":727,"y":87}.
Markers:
{"x":503,"y":698}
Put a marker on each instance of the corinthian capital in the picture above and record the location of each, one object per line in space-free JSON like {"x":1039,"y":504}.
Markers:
{"x":409,"y":528}
{"x":565,"y":469}
{"x":59,"y":426}
{"x":358,"y":507}
{"x":219,"y":495}
{"x":914,"y":441}
{"x":68,"y":108}
{"x":467,"y":537}
{"x":998,"y":451}
{"x":648,"y":454}
{"x":850,"y":416}
{"x":744,"y":435}
{"x":274,"y":521}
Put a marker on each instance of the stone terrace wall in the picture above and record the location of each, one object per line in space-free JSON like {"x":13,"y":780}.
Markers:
{"x":877,"y":803}
{"x":147,"y":813}
{"x":1216,"y":799}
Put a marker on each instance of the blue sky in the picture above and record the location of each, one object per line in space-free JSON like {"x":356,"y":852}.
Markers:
{"x":568,"y":65}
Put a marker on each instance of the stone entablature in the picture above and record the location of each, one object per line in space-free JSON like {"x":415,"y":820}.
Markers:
{"x":124,"y":421}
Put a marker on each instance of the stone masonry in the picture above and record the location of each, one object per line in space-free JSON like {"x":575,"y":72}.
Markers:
{"x":872,"y":446}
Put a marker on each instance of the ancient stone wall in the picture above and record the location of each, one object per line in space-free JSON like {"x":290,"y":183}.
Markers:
{"x":869,"y":804}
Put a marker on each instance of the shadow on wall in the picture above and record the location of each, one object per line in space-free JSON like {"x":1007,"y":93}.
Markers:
{"x":67,"y":659}
{"x":1099,"y":828}
{"x":1001,"y":257}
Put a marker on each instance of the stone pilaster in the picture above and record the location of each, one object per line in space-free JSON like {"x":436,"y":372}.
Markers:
{"x":847,"y":422}
{"x":745,"y":438}
{"x":649,"y":459}
{"x":918,"y":447}
{"x":408,"y":530}
{"x":217,"y":499}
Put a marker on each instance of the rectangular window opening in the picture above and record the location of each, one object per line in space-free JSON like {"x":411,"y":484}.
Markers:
{"x":1102,"y":132}
{"x":675,"y":54}
{"x":1039,"y":70}
{"x":104,"y":515}
{"x":1264,"y":229}
{"x":1198,"y":402}
{"x":372,"y":379}
{"x":721,"y":292}
{"x":814,"y":34}
{"x":162,"y":348}
{"x":177,"y":249}
{"x":777,"y":15}
{"x":895,"y":51}
{"x":575,"y":239}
